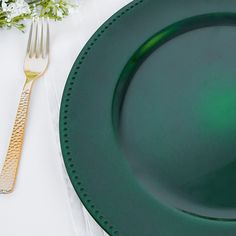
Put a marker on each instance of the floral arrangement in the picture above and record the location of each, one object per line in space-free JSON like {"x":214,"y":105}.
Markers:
{"x":14,"y":12}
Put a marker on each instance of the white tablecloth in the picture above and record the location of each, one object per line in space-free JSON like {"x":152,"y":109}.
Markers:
{"x":44,"y":202}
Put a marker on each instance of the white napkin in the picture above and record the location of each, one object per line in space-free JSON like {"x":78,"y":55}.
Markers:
{"x":39,"y":205}
{"x":68,"y":39}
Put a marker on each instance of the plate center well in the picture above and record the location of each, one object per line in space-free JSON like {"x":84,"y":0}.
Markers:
{"x":177,"y":122}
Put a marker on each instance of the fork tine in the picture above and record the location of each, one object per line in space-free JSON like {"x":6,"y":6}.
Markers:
{"x":42,"y":38}
{"x":35,"y":49}
{"x":47,"y":39}
{"x":30,"y":39}
{"x":38,"y":43}
{"x":39,"y":48}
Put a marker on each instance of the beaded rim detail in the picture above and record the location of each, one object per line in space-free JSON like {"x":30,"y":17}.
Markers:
{"x":65,"y":146}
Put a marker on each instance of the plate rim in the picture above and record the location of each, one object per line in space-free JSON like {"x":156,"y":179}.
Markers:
{"x":99,"y":218}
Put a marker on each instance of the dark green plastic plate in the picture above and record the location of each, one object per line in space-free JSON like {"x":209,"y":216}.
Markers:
{"x":148,"y":120}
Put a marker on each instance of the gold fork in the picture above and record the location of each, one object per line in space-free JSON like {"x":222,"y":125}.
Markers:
{"x":36,"y":62}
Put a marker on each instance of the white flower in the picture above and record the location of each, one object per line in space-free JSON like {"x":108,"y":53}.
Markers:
{"x":59,"y":13}
{"x":4,"y":5}
{"x":15,"y":9}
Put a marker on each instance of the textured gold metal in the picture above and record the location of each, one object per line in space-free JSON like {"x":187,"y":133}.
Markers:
{"x":36,"y":62}
{"x":9,"y":170}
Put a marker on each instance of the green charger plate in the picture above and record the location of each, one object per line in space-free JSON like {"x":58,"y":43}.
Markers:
{"x":148,"y":120}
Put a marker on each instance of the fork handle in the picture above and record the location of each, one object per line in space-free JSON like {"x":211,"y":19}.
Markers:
{"x":11,"y":163}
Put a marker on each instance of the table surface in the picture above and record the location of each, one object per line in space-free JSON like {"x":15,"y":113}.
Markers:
{"x":41,"y":204}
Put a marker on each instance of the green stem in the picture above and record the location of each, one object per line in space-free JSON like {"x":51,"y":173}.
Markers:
{"x":48,"y":11}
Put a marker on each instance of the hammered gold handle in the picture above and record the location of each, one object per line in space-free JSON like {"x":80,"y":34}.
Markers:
{"x":10,"y":166}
